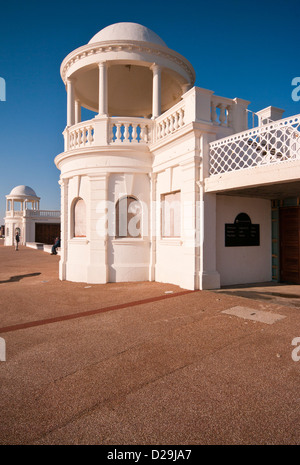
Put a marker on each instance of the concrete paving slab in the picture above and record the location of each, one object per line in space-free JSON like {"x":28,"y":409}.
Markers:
{"x":254,"y":314}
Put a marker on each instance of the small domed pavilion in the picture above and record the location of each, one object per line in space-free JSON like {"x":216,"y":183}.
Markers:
{"x":23,"y":215}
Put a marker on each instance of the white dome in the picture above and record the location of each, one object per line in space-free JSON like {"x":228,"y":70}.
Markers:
{"x":23,"y":191}
{"x":127,"y":31}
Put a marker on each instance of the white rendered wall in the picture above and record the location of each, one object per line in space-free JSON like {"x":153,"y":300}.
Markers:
{"x":242,"y":265}
{"x":129,"y":258}
{"x":175,"y":257}
{"x":78,"y":247}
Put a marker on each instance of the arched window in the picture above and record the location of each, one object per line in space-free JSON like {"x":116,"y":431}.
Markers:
{"x":79,"y":218}
{"x":128,"y":217}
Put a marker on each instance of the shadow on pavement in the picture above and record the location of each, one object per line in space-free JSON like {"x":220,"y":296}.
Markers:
{"x":17,"y":278}
{"x":264,"y":291}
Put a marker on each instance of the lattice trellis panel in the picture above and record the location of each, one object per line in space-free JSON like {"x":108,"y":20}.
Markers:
{"x":275,"y":142}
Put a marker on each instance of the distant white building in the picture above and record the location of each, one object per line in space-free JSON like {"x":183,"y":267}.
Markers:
{"x":23,"y":215}
{"x":166,"y":182}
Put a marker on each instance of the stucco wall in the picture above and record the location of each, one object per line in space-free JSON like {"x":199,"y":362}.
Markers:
{"x":78,"y":248}
{"x":175,"y":258}
{"x":129,"y":258}
{"x":241,"y":265}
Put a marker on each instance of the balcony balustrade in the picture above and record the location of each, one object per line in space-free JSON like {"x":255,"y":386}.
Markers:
{"x":34,"y":213}
{"x":102,"y":131}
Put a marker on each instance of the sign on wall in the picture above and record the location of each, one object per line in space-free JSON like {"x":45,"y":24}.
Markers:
{"x":242,"y":233}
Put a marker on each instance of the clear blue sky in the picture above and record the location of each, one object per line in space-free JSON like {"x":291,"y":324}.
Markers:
{"x":247,"y":49}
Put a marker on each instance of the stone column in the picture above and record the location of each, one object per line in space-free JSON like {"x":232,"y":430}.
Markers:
{"x":156,"y":93}
{"x":70,"y":103}
{"x":77,"y":111}
{"x":103,"y":100}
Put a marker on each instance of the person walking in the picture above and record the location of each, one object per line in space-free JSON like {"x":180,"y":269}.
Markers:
{"x":17,"y":240}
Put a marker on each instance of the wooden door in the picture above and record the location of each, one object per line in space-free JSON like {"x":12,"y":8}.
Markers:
{"x":46,"y":232}
{"x":290,"y":245}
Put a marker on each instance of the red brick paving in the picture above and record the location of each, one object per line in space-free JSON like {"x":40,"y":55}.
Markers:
{"x":170,"y":369}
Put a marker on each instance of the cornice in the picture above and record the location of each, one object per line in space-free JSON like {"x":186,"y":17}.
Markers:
{"x":129,"y":46}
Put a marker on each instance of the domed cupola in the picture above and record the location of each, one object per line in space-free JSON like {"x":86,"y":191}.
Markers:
{"x":126,"y":70}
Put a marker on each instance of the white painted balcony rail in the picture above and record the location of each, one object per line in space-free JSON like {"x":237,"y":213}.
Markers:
{"x":43,"y":213}
{"x":34,"y":213}
{"x":130,"y":130}
{"x":275,"y":142}
{"x":14,"y":213}
{"x":170,"y":121}
{"x":221,"y":111}
{"x":81,"y":135}
{"x":197,"y":105}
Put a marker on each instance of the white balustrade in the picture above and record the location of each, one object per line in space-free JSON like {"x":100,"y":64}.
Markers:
{"x":224,"y":106}
{"x":170,"y":121}
{"x":14,"y":213}
{"x":80,"y":135}
{"x":43,"y":213}
{"x":130,"y":130}
{"x":275,"y":142}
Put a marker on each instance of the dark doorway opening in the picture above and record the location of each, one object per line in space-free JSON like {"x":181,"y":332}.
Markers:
{"x":46,"y":232}
{"x":289,"y":229}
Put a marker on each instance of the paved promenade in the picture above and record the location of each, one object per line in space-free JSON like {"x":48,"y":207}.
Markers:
{"x":144,"y":363}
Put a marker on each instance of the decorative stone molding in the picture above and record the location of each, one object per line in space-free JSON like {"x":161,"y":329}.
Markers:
{"x":119,"y":46}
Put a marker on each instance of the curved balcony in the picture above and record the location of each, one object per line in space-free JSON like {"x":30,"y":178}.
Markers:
{"x":197,"y":105}
{"x":108,"y":131}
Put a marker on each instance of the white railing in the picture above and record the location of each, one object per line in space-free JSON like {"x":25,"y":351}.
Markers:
{"x":170,"y":121}
{"x":80,"y":135}
{"x":130,"y":130}
{"x":275,"y":142}
{"x":43,"y":213}
{"x":196,"y":105}
{"x":14,"y":213}
{"x":221,"y":111}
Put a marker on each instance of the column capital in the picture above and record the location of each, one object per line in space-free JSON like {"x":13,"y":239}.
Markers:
{"x":103,"y":64}
{"x":155,"y":68}
{"x":185,"y":87}
{"x":63,"y":182}
{"x":70,"y":80}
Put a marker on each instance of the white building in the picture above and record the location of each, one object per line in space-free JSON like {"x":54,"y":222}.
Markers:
{"x":23,"y":215}
{"x":166,"y":182}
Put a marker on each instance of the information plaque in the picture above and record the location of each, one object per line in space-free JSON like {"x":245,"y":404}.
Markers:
{"x":242,"y":233}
